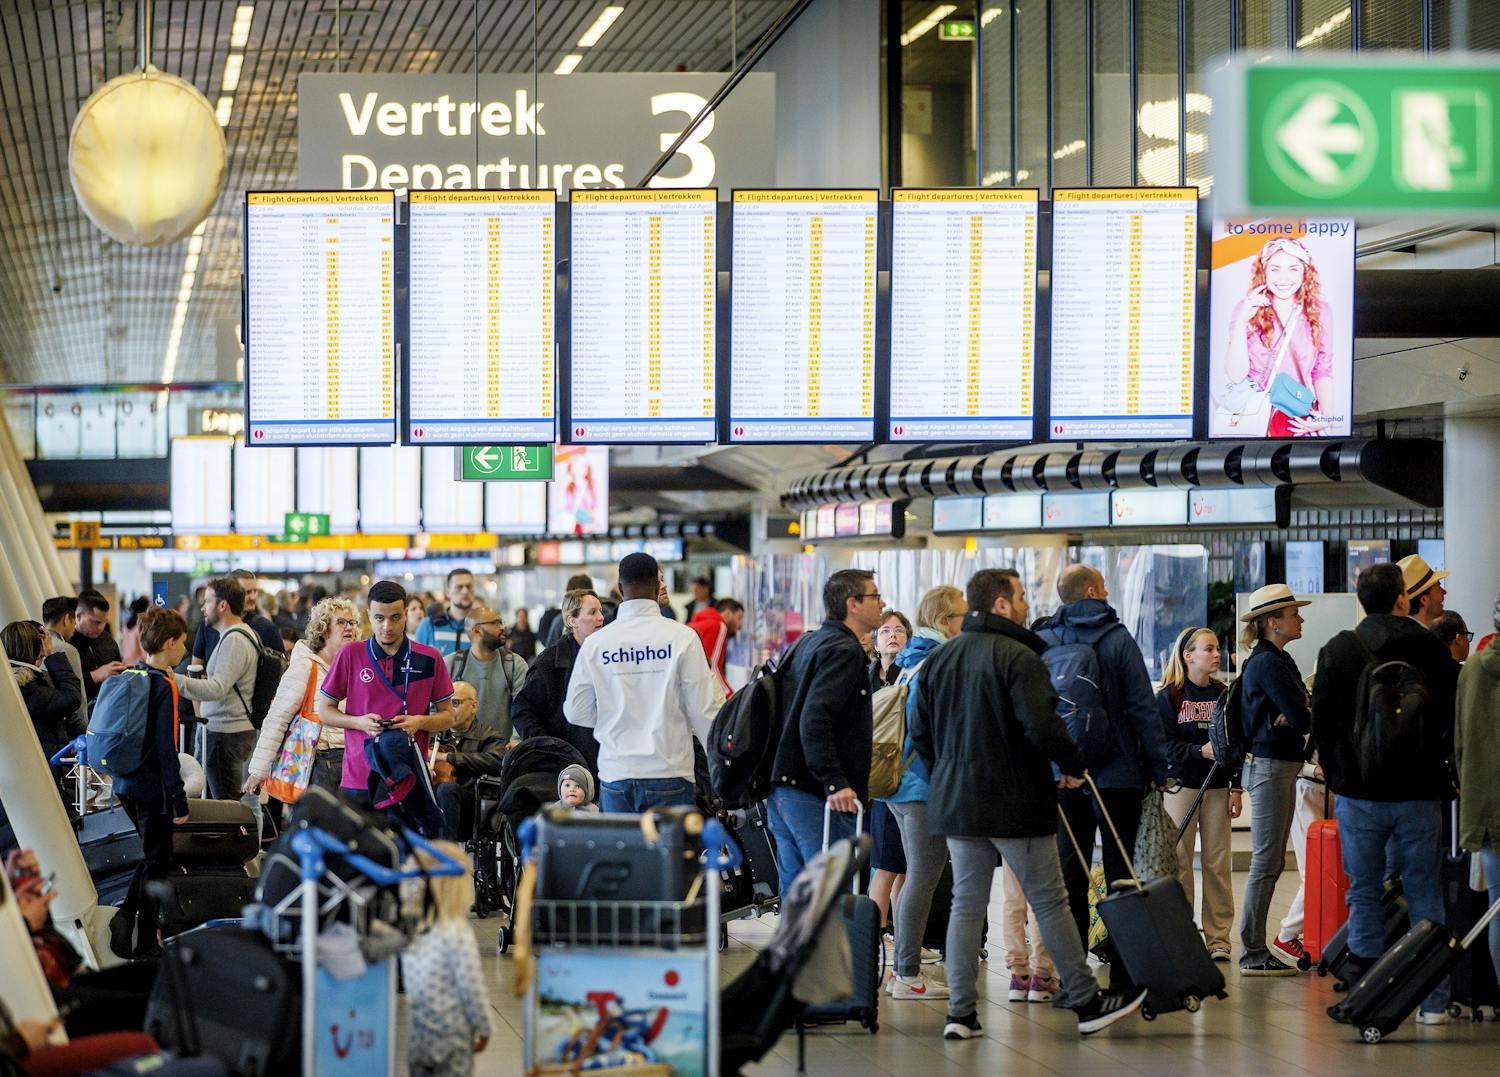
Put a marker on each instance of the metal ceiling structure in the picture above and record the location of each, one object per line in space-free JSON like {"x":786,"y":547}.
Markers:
{"x":79,"y":308}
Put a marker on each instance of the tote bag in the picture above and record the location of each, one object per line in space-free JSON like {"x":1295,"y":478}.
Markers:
{"x":299,"y":751}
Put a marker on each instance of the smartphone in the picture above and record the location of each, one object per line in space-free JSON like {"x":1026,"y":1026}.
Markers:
{"x":49,"y":884}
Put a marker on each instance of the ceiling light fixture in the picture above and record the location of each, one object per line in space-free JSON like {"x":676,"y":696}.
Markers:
{"x":232,"y":64}
{"x":605,"y":20}
{"x":568,"y":64}
{"x":924,"y":25}
{"x":222,"y":113}
{"x":239,"y":34}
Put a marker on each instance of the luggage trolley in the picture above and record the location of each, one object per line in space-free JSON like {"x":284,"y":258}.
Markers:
{"x":633,"y":984}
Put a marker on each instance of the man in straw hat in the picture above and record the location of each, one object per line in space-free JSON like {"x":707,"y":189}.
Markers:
{"x":1424,"y":588}
{"x":1393,"y":783}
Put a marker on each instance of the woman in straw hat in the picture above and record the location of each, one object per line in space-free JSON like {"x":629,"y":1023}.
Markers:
{"x":1274,"y":708}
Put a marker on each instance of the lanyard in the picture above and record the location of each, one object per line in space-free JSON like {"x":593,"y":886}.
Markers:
{"x":404,"y":653}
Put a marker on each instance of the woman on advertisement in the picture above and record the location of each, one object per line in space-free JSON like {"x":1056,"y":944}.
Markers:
{"x":1279,"y":366}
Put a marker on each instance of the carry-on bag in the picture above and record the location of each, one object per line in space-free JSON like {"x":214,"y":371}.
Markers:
{"x":191,"y":897}
{"x":1152,"y":927}
{"x":1324,"y":886}
{"x":1474,"y":981}
{"x":111,"y":847}
{"x":750,"y":828}
{"x":218,"y":833}
{"x":1405,"y":974}
{"x":1395,"y":922}
{"x":861,"y":918}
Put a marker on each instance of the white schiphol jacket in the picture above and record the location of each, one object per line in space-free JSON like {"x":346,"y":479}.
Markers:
{"x":643,"y":685}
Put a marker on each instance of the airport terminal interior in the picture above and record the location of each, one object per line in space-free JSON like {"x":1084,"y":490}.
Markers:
{"x":704,"y":537}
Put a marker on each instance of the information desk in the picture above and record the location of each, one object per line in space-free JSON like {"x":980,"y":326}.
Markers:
{"x":482,"y":364}
{"x":642,"y":302}
{"x":320,"y":328}
{"x":802,"y":316}
{"x":963,"y":298}
{"x":1124,"y":273}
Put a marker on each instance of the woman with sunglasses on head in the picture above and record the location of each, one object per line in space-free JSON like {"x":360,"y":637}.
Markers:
{"x":333,"y":623}
{"x":1278,"y":342}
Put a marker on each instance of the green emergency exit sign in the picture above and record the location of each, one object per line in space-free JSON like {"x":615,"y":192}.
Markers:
{"x":957,"y":30}
{"x":1369,"y":137}
{"x":500,"y":463}
{"x":301,"y":525}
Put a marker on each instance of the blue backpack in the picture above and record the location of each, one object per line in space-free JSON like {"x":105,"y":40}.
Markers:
{"x":118,"y":723}
{"x":1079,"y":683}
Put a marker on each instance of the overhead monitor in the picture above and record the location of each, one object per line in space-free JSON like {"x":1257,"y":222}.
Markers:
{"x":1281,"y":351}
{"x":846,"y":520}
{"x":1124,"y":287}
{"x":481,"y":367}
{"x":957,"y":514}
{"x":1012,"y":512}
{"x":200,"y":494}
{"x":447,"y":504}
{"x":320,"y":331}
{"x":515,"y":508}
{"x":1074,"y":512}
{"x":327,"y":482}
{"x":1148,"y":508}
{"x":1253,"y":505}
{"x":263,"y":490}
{"x":642,"y":294}
{"x":1304,"y":567}
{"x":802,"y":316}
{"x":578,"y":495}
{"x":390,"y":490}
{"x":963,"y":299}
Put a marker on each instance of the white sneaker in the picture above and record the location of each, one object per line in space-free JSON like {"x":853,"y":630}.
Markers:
{"x":931,"y":957}
{"x":921,"y":987}
{"x":1439,"y":1018}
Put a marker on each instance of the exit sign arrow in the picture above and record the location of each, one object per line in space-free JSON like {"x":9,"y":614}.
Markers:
{"x":494,"y":463}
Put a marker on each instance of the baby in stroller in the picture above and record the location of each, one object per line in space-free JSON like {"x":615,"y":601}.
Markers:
{"x":575,"y":789}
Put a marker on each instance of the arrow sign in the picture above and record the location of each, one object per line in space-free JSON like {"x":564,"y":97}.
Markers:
{"x":491,"y":463}
{"x":1310,"y":136}
{"x":486,"y":458}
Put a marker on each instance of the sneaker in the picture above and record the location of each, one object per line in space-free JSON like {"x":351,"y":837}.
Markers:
{"x":1289,"y":950}
{"x":1019,"y":986}
{"x":1269,"y":967}
{"x":1219,"y":953}
{"x":931,"y":957}
{"x":920,"y":987}
{"x":1040,"y":990}
{"x":1105,"y":1008}
{"x":962,"y":1028}
{"x":1439,"y":1018}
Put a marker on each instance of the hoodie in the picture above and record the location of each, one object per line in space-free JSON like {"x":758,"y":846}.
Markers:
{"x":1476,"y":750}
{"x":582,"y":776}
{"x":917,"y":775}
{"x":1141,"y":752}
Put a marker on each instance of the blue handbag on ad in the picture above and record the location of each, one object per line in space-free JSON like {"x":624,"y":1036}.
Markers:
{"x":1290,"y":397}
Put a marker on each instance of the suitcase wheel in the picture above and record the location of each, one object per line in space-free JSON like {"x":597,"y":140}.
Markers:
{"x":1304,"y":963}
{"x":1147,"y":1012}
{"x":1371,"y":1035}
{"x":1321,"y":970}
{"x":1192,"y":1003}
{"x":1456,"y":1011}
{"x":502,"y":942}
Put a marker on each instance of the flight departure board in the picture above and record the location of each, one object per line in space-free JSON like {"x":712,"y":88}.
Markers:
{"x":1124,"y":276}
{"x":802,"y":312}
{"x":482,"y":364}
{"x":642,"y":293}
{"x":963,"y":299}
{"x":320,"y":332}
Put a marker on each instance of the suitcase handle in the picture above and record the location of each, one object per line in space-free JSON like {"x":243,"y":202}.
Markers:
{"x":1104,"y":811}
{"x":859,"y":828}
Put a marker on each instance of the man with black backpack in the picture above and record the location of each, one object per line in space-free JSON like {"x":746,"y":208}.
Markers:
{"x":1106,"y":699}
{"x":1382,"y":718}
{"x":226,"y":690}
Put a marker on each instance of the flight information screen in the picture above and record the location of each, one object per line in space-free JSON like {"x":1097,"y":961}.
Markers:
{"x":963,"y":305}
{"x":642,"y":294}
{"x":320,"y":329}
{"x":481,"y":368}
{"x":802,"y":310}
{"x":1124,"y":275}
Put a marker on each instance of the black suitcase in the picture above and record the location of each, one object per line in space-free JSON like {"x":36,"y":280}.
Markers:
{"x":217,"y":833}
{"x":191,"y":897}
{"x":754,"y":835}
{"x":110,"y":845}
{"x":1405,"y":974}
{"x":362,"y":832}
{"x":861,"y":918}
{"x":224,"y":991}
{"x":1154,"y":933}
{"x":1474,"y":980}
{"x":1395,"y":921}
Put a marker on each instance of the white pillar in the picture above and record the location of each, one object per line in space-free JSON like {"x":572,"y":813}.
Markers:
{"x":20,"y":550}
{"x":31,"y":510}
{"x":23,"y":988}
{"x":1471,"y":508}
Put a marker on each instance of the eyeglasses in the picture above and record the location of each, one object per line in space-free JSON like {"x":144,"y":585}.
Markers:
{"x":875,"y":596}
{"x":891,"y":630}
{"x":344,"y":622}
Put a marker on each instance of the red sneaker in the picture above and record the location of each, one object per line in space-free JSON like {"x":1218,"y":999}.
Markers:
{"x":1289,"y":950}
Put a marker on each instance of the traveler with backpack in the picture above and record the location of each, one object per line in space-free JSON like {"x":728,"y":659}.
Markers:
{"x":1189,"y":691}
{"x":985,"y":721}
{"x":1109,"y":707}
{"x":226,"y":690}
{"x":824,"y":746}
{"x":1383,"y":715}
{"x":939,"y":616}
{"x":1272,"y":704}
{"x":495,"y":673}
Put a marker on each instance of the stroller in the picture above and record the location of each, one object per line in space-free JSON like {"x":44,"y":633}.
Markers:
{"x":527,"y":783}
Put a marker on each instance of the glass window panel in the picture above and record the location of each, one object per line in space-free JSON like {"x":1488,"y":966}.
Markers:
{"x":1069,"y":86}
{"x":59,"y":426}
{"x":1325,"y":24}
{"x":994,"y":95}
{"x":1207,"y":32}
{"x":1158,"y":111}
{"x":1111,"y":93}
{"x":140,"y":426}
{"x":1391,"y":24}
{"x":1263,"y":24}
{"x":1031,"y":83}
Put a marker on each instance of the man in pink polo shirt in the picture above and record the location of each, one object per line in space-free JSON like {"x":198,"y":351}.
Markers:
{"x":385,"y":682}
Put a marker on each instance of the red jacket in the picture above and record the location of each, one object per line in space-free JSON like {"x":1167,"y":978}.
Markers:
{"x":711,"y":629}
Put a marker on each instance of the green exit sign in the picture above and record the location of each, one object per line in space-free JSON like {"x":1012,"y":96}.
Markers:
{"x":501,"y":463}
{"x":302,"y":525}
{"x":957,"y":30}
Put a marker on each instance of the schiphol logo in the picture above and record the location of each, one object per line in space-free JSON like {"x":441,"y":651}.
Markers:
{"x":1320,"y":138}
{"x":635,"y":655}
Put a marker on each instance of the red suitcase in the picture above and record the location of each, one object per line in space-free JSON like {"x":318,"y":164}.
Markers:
{"x":1324,"y":907}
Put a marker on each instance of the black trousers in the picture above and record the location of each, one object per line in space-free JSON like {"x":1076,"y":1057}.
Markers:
{"x":1084,"y":816}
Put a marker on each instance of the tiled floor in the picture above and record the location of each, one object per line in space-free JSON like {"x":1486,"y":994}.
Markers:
{"x":1265,"y":1027}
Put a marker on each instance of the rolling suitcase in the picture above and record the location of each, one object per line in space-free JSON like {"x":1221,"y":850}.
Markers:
{"x":1395,"y":922}
{"x":191,"y":897}
{"x":111,"y":847}
{"x":1405,"y":974}
{"x":1154,"y":933}
{"x":1474,"y":981}
{"x":754,"y":835}
{"x":1324,"y":886}
{"x":217,"y":833}
{"x":861,"y":918}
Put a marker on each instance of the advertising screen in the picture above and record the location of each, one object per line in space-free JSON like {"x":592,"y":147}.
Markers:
{"x":320,"y":331}
{"x":802,"y":313}
{"x":1124,"y":287}
{"x":963,"y":299}
{"x":1281,"y":355}
{"x":643,"y":292}
{"x":483,"y":267}
{"x":578,"y":495}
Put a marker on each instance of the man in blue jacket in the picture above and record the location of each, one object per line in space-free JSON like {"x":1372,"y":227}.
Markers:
{"x":1135,"y":756}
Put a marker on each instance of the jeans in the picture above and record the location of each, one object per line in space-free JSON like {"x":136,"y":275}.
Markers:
{"x":636,"y":795}
{"x":1124,"y":807}
{"x":225,"y":763}
{"x":1272,"y":786}
{"x":328,"y":769}
{"x":1489,"y":857}
{"x":796,"y":820}
{"x":1036,"y":864}
{"x":1410,"y":834}
{"x":457,"y":805}
{"x":925,"y":856}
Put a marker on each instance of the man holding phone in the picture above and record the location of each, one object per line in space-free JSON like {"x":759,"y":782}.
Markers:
{"x":383,"y":683}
